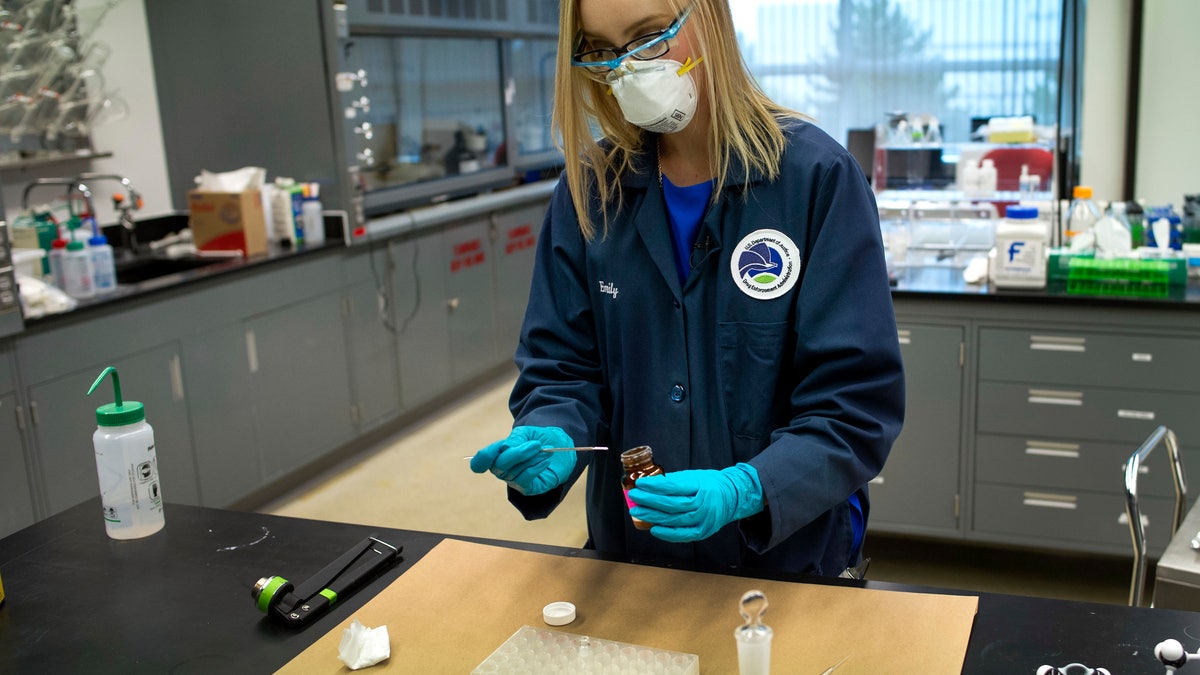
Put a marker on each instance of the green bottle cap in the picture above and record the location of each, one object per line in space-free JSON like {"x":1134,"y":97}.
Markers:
{"x":75,"y":246}
{"x":120,"y":413}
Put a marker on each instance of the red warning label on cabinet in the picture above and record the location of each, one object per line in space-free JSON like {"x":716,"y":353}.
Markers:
{"x":467,"y":254}
{"x":519,"y":239}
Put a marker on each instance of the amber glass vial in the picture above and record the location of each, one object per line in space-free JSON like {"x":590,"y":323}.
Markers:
{"x":638,"y":463}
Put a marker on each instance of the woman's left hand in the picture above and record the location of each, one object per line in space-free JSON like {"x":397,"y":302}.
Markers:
{"x":692,"y":505}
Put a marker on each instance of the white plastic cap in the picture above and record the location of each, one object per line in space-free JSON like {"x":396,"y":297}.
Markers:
{"x":558,"y":613}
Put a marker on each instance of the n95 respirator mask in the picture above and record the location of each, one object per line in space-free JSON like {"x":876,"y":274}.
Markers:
{"x":658,"y":96}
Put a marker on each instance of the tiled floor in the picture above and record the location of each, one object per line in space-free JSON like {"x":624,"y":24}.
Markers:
{"x":418,"y":479}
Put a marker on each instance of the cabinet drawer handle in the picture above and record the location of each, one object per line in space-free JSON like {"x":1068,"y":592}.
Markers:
{"x":905,"y":336}
{"x":1144,"y":415}
{"x":176,"y":377}
{"x":877,"y":480}
{"x":1050,"y":343}
{"x":1049,"y":501}
{"x":252,"y":351}
{"x":1049,"y":397}
{"x":1141,"y":357}
{"x":1051,"y":452}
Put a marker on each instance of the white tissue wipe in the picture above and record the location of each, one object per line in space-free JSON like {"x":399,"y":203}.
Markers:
{"x":362,"y":646}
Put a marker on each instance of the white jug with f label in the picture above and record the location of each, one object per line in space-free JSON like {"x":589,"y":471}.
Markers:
{"x":130,"y":494}
{"x":1021,"y":241}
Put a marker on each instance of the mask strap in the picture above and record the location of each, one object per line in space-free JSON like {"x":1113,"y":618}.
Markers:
{"x":688,"y":65}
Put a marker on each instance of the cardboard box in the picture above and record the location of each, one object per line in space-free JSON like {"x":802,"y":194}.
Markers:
{"x":228,"y":221}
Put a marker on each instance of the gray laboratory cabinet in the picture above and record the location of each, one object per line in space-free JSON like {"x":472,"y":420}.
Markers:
{"x":57,"y":365}
{"x":918,"y":489}
{"x":420,"y":302}
{"x":299,"y":387}
{"x":17,"y":507}
{"x":1022,"y":410}
{"x":256,"y":377}
{"x":370,"y":338}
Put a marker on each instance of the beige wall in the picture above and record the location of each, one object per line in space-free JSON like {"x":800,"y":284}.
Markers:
{"x":1105,"y":97}
{"x":1168,"y":156}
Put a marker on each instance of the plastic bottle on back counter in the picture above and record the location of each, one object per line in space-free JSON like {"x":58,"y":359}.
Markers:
{"x":104,"y":269}
{"x":1083,"y":214}
{"x":127,"y":466}
{"x":1021,"y":242}
{"x":1028,"y":183}
{"x":1120,"y":212}
{"x":1191,"y":219}
{"x":1137,"y":223}
{"x":58,"y":251}
{"x":988,"y":178}
{"x":312,"y":215}
{"x":78,"y":274}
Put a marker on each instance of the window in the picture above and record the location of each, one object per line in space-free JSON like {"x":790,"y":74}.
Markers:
{"x":848,"y":63}
{"x":435,"y":107}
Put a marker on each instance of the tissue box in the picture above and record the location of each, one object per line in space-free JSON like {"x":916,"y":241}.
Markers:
{"x":228,"y":221}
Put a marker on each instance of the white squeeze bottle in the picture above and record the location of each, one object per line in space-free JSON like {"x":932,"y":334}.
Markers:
{"x":104,"y":270}
{"x":130,"y":494}
{"x":78,"y":273}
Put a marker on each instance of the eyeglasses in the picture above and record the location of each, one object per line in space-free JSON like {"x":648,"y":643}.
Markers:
{"x":649,"y":46}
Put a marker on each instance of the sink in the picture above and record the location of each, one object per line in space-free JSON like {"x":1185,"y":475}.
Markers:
{"x":142,"y":269}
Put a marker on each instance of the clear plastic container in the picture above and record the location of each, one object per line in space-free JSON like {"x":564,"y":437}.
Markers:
{"x":1083,"y":214}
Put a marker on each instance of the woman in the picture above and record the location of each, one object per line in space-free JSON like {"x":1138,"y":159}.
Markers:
{"x":710,"y":282}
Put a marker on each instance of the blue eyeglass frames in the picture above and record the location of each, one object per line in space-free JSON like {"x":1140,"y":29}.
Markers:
{"x":649,"y":46}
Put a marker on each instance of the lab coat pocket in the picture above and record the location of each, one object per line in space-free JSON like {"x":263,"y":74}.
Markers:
{"x":748,"y":365}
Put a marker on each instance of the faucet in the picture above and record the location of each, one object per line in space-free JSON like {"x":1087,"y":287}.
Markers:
{"x":124,"y":206}
{"x":68,"y":183}
{"x":79,"y":183}
{"x":71,"y":184}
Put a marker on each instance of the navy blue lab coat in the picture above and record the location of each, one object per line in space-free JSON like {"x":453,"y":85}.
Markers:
{"x":808,"y":387}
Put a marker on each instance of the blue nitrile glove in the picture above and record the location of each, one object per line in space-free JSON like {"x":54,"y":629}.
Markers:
{"x":519,"y":461}
{"x":692,"y":505}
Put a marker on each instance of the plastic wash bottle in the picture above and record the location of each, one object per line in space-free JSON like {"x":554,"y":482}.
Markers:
{"x":130,"y":494}
{"x":1021,"y":241}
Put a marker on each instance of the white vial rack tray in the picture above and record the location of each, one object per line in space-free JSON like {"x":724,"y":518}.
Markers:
{"x":537,"y":650}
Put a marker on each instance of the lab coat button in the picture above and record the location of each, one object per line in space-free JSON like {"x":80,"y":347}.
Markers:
{"x":677,"y":393}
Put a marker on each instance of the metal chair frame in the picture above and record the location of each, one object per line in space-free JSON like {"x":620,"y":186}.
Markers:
{"x":1136,"y":530}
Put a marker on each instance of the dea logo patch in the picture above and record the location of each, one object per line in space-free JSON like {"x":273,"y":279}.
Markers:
{"x":765,"y":265}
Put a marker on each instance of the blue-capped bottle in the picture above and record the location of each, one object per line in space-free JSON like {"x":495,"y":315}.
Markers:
{"x":127,"y":465}
{"x":1021,"y":246}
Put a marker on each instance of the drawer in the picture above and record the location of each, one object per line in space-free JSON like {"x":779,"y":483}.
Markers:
{"x":1072,"y":465}
{"x":1083,"y":413}
{"x":1060,"y":515}
{"x":1085,"y":358}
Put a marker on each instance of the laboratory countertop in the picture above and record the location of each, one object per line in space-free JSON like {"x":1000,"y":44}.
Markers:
{"x":179,"y":601}
{"x":225,"y":267}
{"x":912,"y":282}
{"x":947,"y":282}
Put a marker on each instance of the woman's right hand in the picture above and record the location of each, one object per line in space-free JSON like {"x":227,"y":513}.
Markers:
{"x":519,"y":461}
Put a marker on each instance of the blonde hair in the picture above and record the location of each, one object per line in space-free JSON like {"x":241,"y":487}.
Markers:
{"x":744,"y":122}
